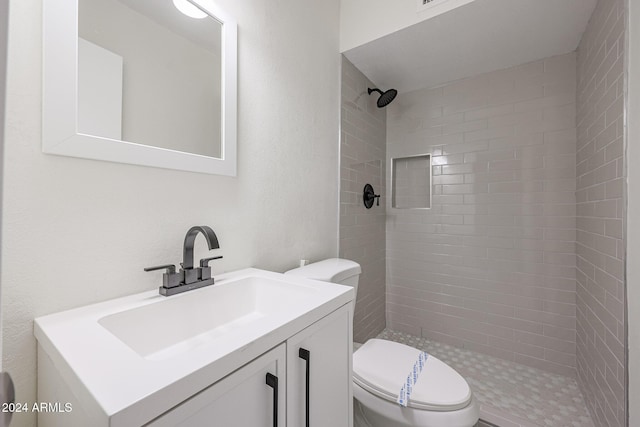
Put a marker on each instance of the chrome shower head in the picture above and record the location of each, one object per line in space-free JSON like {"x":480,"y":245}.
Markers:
{"x":385,"y":97}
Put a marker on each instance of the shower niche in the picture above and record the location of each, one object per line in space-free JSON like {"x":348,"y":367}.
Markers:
{"x":411,"y":182}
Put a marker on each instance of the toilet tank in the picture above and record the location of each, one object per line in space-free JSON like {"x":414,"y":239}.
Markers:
{"x":334,"y":270}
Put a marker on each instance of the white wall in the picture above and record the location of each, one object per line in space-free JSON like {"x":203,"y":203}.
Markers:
{"x":633,"y":211}
{"x":362,"y":21}
{"x":80,"y":231}
{"x":4,"y":16}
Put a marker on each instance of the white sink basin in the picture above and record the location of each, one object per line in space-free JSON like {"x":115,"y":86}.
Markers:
{"x":182,"y":322}
{"x":129,"y":359}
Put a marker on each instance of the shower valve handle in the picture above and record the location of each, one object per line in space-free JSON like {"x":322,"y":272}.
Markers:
{"x":368,"y":196}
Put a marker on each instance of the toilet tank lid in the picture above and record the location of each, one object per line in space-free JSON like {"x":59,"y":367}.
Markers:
{"x":330,"y":270}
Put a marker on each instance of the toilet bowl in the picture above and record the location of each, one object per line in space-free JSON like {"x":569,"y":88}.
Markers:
{"x":439,"y":396}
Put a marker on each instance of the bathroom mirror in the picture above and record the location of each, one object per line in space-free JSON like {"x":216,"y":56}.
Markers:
{"x":140,"y":82}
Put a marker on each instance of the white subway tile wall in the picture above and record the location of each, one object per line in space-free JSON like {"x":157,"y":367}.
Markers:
{"x":600,"y":246}
{"x":491,"y":266}
{"x":362,"y":231}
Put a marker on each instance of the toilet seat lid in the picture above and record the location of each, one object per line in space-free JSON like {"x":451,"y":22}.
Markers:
{"x":381,"y":367}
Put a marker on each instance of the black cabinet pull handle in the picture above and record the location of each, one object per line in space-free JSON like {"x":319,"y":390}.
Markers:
{"x":306,"y":356}
{"x":272,"y":381}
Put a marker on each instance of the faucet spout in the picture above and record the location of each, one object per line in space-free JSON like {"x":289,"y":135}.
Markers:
{"x":189,"y":240}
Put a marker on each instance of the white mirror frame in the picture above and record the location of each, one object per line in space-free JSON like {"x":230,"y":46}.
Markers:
{"x":60,"y":100}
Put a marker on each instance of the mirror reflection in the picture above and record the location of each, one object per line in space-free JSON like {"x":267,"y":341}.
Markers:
{"x":150,"y":74}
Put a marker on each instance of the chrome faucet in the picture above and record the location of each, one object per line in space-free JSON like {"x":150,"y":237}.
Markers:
{"x":188,"y":277}
{"x":191,"y":274}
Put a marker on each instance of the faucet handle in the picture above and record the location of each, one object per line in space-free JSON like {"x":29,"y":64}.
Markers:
{"x":171,"y":268}
{"x":205,"y":271}
{"x":170,"y":278}
{"x":205,"y":262}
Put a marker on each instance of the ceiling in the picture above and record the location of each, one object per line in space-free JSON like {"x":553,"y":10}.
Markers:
{"x":482,"y":36}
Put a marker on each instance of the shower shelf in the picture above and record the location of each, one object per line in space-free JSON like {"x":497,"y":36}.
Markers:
{"x":411,"y":182}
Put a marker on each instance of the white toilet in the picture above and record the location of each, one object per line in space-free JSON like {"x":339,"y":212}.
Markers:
{"x":440,"y":398}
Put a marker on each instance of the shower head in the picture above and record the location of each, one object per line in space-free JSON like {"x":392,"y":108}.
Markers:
{"x":385,"y":97}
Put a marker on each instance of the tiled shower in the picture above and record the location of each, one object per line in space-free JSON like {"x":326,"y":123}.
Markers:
{"x":521,"y":255}
{"x":491,"y":266}
{"x":600,"y":244}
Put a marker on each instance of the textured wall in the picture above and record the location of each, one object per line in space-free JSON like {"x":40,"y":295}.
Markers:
{"x":80,"y":231}
{"x":491,"y":266}
{"x":362,"y":231}
{"x":4,"y":16}
{"x":600,"y":236}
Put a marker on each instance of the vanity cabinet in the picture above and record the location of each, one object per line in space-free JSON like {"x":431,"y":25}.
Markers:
{"x":239,"y":400}
{"x":318,"y":376}
{"x":244,"y":398}
{"x":208,"y":357}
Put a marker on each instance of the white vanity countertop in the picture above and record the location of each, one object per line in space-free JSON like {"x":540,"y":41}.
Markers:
{"x":117,"y":386}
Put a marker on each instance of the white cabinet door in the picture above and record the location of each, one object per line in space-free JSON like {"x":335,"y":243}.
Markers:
{"x":327,"y":344}
{"x":242,"y":399}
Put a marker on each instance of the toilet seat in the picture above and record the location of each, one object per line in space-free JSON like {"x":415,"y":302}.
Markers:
{"x":381,"y":368}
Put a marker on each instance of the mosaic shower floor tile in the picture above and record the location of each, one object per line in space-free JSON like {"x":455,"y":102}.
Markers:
{"x":510,"y":394}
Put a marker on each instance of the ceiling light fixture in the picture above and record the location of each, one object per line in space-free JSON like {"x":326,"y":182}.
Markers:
{"x":189,"y":9}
